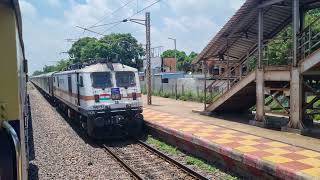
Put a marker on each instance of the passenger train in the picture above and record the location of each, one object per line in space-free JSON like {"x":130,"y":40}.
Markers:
{"x":14,"y":104}
{"x":104,"y":97}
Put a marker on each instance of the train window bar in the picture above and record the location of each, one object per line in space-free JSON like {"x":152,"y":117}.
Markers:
{"x":17,"y":146}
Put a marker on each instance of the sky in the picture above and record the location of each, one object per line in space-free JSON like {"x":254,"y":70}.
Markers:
{"x":47,"y":24}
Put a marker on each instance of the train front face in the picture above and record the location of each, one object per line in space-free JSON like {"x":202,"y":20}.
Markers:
{"x":117,"y":106}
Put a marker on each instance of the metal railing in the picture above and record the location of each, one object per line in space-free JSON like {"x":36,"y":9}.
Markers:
{"x":309,"y":39}
{"x":222,"y":83}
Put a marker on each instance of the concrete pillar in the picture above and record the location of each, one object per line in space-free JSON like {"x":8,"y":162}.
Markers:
{"x":295,"y":99}
{"x":259,"y":118}
{"x":260,"y":95}
{"x":296,"y":77}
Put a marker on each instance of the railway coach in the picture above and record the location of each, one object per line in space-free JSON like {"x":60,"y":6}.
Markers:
{"x":14,"y":106}
{"x":105,"y":98}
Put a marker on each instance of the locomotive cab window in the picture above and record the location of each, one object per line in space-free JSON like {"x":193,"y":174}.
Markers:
{"x":125,"y":79}
{"x":101,"y":80}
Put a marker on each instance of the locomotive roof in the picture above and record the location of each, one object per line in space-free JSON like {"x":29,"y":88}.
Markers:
{"x":101,"y":67}
{"x":44,"y":75}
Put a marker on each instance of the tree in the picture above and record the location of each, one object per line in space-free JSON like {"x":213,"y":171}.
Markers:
{"x":37,"y":72}
{"x":77,"y":48}
{"x":119,"y":46}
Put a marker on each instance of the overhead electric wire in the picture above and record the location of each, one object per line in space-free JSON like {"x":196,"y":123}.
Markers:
{"x":118,"y":22}
{"x":131,"y":16}
{"x":118,"y":9}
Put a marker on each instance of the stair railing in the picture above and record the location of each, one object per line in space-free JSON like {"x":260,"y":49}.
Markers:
{"x":309,"y":39}
{"x":223,"y":82}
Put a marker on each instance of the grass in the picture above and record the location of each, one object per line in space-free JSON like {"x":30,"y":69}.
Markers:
{"x":190,"y":160}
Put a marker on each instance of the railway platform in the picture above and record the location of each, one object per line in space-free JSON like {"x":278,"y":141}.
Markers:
{"x":249,"y":150}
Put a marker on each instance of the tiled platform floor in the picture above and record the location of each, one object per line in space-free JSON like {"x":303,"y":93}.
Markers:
{"x":283,"y":160}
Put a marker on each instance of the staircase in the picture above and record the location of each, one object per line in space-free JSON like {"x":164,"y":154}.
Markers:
{"x":238,"y":93}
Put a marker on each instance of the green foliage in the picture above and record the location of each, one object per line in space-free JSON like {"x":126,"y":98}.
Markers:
{"x":123,"y":47}
{"x":278,"y":49}
{"x":37,"y":72}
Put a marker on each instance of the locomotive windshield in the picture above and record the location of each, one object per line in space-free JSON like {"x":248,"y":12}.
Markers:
{"x":125,"y":79}
{"x":101,"y":80}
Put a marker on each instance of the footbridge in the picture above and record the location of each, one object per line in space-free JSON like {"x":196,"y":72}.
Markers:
{"x":276,"y":50}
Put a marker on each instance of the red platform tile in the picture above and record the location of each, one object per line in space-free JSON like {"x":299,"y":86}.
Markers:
{"x":260,"y":154}
{"x":294,"y":165}
{"x":294,"y":156}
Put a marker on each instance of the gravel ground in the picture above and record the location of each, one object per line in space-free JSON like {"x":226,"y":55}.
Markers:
{"x":58,"y":151}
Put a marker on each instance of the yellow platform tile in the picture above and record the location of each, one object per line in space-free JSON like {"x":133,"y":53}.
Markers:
{"x":202,"y":134}
{"x":277,"y":159}
{"x":206,"y":130}
{"x":187,"y":129}
{"x":277,"y":144}
{"x":225,"y":135}
{"x":248,"y":142}
{"x":246,"y":149}
{"x":277,"y":151}
{"x":228,"y":131}
{"x":315,"y":172}
{"x":250,"y":137}
{"x":221,"y":141}
{"x":309,"y":153}
{"x":311,"y":161}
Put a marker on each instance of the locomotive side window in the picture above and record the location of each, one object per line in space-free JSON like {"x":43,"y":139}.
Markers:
{"x":125,"y":79}
{"x":58,"y":81}
{"x":101,"y":80}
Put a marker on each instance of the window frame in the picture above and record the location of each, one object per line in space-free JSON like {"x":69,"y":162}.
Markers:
{"x":110,"y":85}
{"x":131,"y":72}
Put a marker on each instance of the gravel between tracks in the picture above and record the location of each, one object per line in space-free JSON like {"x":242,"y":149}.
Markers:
{"x":148,"y":164}
{"x":58,"y":152}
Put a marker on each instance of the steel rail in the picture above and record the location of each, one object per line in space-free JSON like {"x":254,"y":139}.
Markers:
{"x":125,"y":165}
{"x":172,"y":161}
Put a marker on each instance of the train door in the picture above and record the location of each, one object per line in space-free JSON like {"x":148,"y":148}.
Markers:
{"x":70,"y":88}
{"x":79,"y":84}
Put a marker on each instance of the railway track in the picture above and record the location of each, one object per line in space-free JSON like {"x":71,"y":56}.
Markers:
{"x":144,"y":162}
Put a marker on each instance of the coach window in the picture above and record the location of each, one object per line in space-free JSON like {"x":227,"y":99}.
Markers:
{"x":125,"y":79}
{"x":58,"y":81}
{"x":101,"y":80}
{"x":69,"y":84}
{"x":81,"y":81}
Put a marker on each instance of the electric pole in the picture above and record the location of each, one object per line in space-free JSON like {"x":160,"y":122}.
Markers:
{"x":148,"y":57}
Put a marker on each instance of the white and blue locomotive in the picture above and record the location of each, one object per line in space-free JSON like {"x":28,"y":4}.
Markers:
{"x":104,"y":97}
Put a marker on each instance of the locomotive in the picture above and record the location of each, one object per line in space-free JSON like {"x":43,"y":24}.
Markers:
{"x":104,"y":97}
{"x":14,"y":101}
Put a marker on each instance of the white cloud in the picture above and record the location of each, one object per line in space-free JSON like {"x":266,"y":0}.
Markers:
{"x":193,"y":23}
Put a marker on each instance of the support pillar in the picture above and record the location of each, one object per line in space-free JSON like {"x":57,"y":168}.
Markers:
{"x":296,"y":77}
{"x":259,"y":118}
{"x":295,"y":99}
{"x":260,"y":95}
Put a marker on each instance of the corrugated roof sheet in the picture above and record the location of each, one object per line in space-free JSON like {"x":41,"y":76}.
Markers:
{"x":240,"y":32}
